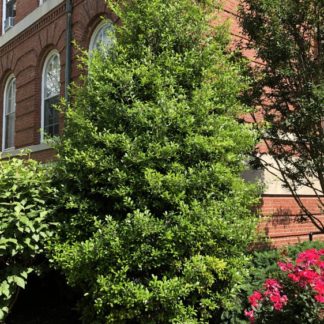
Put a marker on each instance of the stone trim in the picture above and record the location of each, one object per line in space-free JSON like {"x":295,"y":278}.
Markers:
{"x":31,"y":149}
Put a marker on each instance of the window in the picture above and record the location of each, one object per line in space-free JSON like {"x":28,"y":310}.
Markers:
{"x":9,"y":10}
{"x":100,"y":37}
{"x":9,"y":114}
{"x":50,"y":95}
{"x":41,"y":2}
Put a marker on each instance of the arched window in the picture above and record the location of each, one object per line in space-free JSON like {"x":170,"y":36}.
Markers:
{"x":100,"y":36}
{"x":50,"y":94}
{"x":9,"y":114}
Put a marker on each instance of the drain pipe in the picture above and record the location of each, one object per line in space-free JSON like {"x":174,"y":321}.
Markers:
{"x":68,"y":49}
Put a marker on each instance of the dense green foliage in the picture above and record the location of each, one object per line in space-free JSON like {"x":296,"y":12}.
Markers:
{"x":155,"y":217}
{"x":288,"y":36}
{"x":24,"y":224}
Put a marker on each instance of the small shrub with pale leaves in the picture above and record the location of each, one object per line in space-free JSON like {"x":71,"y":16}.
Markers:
{"x":24,"y":225}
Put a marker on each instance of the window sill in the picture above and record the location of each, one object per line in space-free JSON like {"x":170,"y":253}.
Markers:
{"x":8,"y":150}
{"x":32,"y":149}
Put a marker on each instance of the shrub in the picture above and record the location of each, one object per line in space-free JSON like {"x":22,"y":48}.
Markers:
{"x":296,"y":294}
{"x":264,"y":263}
{"x":24,"y":225}
{"x":155,"y":217}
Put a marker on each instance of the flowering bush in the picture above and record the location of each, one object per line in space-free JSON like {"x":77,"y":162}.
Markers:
{"x":296,"y":296}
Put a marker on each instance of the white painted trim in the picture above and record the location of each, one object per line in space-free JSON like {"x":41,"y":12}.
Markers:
{"x":31,"y":148}
{"x":48,"y":58}
{"x":4,"y":126}
{"x":3,"y":15}
{"x":28,"y":20}
{"x":271,"y":183}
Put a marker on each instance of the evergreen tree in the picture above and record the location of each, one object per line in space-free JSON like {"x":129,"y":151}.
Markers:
{"x":155,"y":217}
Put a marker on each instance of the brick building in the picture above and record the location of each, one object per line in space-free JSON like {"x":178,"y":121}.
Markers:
{"x":34,"y":68}
{"x":37,"y":64}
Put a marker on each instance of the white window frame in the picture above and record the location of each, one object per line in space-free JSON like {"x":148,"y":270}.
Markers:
{"x":96,"y":32}
{"x":41,"y":2}
{"x":4,"y":15}
{"x":46,"y":62}
{"x":9,"y":81}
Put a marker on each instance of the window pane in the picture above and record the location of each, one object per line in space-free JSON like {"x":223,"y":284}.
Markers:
{"x":101,"y":37}
{"x":10,"y":108}
{"x":10,"y":97}
{"x":52,"y":77}
{"x":10,"y":131}
{"x":10,"y":8}
{"x":51,"y":95}
{"x":51,"y":116}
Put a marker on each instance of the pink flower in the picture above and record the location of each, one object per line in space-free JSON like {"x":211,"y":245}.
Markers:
{"x":319,"y":287}
{"x":284,"y":299}
{"x":293,"y":277}
{"x":272,"y":284}
{"x":275,"y":298}
{"x":278,"y":300}
{"x":319,"y":298}
{"x":308,"y":275}
{"x":255,"y":298}
{"x":307,"y":272}
{"x":309,"y":257}
{"x":277,"y":306}
{"x":285,"y":266}
{"x":249,"y":315}
{"x":304,"y":277}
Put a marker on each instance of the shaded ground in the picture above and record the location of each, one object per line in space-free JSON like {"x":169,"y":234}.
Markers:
{"x":46,"y":300}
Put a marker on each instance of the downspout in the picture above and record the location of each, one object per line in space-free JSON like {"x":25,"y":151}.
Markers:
{"x":68,"y":49}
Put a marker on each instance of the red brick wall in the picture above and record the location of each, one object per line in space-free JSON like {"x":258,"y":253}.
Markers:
{"x":44,"y":156}
{"x":25,"y":7}
{"x":24,"y":56}
{"x":284,"y":222}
